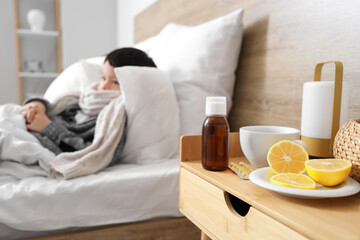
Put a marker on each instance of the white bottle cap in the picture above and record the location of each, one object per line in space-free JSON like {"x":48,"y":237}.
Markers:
{"x":215,"y":106}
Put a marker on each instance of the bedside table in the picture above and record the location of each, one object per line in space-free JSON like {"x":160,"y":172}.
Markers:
{"x":225,"y":206}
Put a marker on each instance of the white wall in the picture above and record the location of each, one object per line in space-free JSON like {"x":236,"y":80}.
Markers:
{"x":8,"y":81}
{"x":88,"y":28}
{"x":127,"y":10}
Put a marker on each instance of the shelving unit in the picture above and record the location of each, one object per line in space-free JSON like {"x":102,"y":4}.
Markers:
{"x":41,"y":47}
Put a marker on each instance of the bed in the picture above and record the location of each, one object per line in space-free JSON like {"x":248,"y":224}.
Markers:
{"x":281,"y":42}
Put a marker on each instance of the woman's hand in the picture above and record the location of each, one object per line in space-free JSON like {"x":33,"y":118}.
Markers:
{"x":30,"y":109}
{"x":39,"y":122}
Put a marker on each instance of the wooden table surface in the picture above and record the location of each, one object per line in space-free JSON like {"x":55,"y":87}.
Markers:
{"x":328,"y":218}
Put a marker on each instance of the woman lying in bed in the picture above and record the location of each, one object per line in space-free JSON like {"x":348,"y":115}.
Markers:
{"x":74,"y":127}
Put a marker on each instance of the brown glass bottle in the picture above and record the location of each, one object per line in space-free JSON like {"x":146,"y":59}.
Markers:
{"x":215,"y":143}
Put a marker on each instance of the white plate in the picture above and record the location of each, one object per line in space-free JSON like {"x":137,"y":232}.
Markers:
{"x":261,"y":177}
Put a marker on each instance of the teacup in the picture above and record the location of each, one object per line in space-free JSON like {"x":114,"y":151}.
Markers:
{"x":256,"y":141}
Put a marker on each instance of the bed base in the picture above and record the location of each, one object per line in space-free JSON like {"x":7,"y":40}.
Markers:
{"x":165,"y":229}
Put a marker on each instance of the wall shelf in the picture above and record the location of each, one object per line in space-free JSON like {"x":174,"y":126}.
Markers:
{"x":38,"y":74}
{"x":28,"y":32}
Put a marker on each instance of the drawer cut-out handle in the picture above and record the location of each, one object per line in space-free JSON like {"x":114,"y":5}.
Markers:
{"x":241,"y":207}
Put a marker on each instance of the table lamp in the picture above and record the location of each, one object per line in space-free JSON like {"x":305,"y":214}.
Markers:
{"x":324,"y":110}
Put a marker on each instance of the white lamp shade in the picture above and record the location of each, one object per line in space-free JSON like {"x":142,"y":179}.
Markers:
{"x":317,"y":108}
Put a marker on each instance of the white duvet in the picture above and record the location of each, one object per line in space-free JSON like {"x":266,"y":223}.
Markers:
{"x":119,"y":194}
{"x":21,"y":154}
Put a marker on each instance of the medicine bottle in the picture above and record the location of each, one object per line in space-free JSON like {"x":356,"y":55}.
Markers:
{"x":215,"y":135}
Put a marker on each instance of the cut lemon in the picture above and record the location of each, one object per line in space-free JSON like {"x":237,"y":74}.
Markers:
{"x":294,"y":180}
{"x":287,"y":157}
{"x":328,"y":172}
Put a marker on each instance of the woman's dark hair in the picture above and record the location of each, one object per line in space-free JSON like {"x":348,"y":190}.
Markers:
{"x":129,"y":57}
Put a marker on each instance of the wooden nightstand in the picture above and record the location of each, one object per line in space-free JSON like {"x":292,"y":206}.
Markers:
{"x":224,"y":206}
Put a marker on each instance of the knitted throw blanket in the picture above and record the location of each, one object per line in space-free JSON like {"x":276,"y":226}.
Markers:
{"x":108,"y":131}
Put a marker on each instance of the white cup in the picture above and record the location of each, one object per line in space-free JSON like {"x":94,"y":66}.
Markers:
{"x":256,"y":141}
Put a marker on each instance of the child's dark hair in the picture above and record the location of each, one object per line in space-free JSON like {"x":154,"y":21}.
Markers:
{"x":129,"y":57}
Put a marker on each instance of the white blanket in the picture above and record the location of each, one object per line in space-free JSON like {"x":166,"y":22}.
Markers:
{"x":18,"y":147}
{"x":122,"y":193}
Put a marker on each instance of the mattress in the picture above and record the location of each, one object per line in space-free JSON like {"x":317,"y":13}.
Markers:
{"x":122,"y":193}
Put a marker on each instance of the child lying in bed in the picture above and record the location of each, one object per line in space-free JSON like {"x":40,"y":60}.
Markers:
{"x":73,"y":128}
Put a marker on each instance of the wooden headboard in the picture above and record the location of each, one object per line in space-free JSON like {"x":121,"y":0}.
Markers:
{"x":283,"y":41}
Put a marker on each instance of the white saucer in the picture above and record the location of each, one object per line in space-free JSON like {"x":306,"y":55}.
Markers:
{"x":261,"y":177}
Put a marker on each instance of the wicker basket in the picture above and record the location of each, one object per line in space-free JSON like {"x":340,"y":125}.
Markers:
{"x":347,"y":145}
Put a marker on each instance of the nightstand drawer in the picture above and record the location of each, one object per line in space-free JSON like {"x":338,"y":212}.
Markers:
{"x":213,"y":211}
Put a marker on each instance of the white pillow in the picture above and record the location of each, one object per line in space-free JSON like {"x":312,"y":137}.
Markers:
{"x":201,"y":61}
{"x":75,"y":78}
{"x":153,"y":122}
{"x":146,"y":45}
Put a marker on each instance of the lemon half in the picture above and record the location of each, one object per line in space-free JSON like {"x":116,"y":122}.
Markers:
{"x":328,"y":172}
